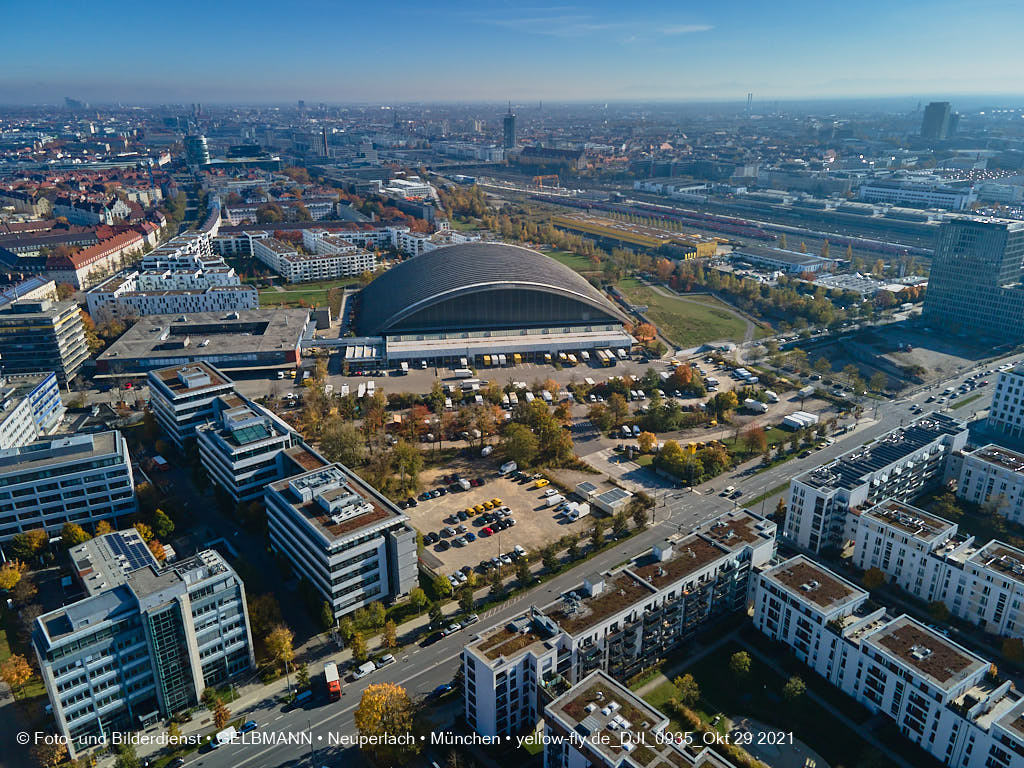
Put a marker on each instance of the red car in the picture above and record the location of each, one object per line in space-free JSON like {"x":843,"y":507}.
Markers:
{"x":486,"y":531}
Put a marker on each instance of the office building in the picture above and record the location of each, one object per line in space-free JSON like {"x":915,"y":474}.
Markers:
{"x":899,"y":465}
{"x":993,"y":478}
{"x":182,"y":397}
{"x":79,"y":479}
{"x":975,"y":283}
{"x":600,"y":723}
{"x":251,"y":339}
{"x":30,"y":407}
{"x":936,"y":121}
{"x":143,"y":647}
{"x":240,"y":447}
{"x":42,"y":335}
{"x":197,"y":152}
{"x":941,"y":697}
{"x":350,"y":542}
{"x":620,"y":622}
{"x":1006,"y":413}
{"x":508,"y":129}
{"x":918,"y":194}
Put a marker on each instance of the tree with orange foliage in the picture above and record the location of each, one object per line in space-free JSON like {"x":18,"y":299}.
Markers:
{"x":157,"y":549}
{"x":645,"y":332}
{"x":385,"y":710}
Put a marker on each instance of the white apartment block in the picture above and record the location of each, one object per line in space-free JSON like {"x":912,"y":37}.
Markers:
{"x":240,"y":447}
{"x":899,"y":465}
{"x":180,"y":277}
{"x":620,"y":622}
{"x":351,"y":543}
{"x":600,"y":723}
{"x":941,"y":696}
{"x":79,"y":479}
{"x":182,"y":397}
{"x":405,"y":188}
{"x":1006,"y":414}
{"x":298,"y":267}
{"x":994,"y":476}
{"x":930,"y":559}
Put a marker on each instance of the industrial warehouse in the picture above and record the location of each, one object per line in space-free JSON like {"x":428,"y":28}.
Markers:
{"x":486,"y":299}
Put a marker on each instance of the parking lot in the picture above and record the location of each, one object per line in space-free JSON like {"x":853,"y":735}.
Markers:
{"x":535,"y":523}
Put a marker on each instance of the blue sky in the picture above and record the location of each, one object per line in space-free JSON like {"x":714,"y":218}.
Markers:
{"x":491,"y":50}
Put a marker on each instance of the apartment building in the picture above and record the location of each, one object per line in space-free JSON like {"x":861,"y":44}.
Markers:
{"x":897,"y":465}
{"x":30,"y":407}
{"x":601,"y":723}
{"x":240,"y":447}
{"x":620,"y":622}
{"x":993,"y":477}
{"x":182,"y":276}
{"x":349,"y":541}
{"x":80,"y":479}
{"x":941,"y":696}
{"x":295,"y":267}
{"x":1006,"y":414}
{"x":43,"y":335}
{"x":182,"y":397}
{"x":144,"y":646}
{"x":929,"y":558}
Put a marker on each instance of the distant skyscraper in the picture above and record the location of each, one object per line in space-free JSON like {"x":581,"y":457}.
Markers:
{"x":509,"y":129}
{"x":935,"y":123}
{"x":196,"y":150}
{"x":975,"y":281}
{"x":302,"y":105}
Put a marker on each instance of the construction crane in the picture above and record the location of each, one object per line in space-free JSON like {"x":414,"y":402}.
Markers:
{"x":542,"y":181}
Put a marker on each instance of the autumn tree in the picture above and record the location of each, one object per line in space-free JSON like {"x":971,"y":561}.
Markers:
{"x":436,"y":614}
{"x":302,"y":675}
{"x":144,"y":531}
{"x":442,"y":587}
{"x":466,"y":601}
{"x":793,"y":689}
{"x":357,"y":645}
{"x":26,"y":546}
{"x":49,"y":755}
{"x":647,"y":441}
{"x":221,"y":714}
{"x":157,"y":549}
{"x":389,"y":638}
{"x":520,"y":444}
{"x":689,"y":691}
{"x":103,"y":528}
{"x":279,"y":645}
{"x":10,"y":573}
{"x":385,"y":710}
{"x":72,"y":534}
{"x":755,"y":440}
{"x":15,"y":671}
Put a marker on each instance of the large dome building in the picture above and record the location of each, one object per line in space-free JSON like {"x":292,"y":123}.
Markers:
{"x":478,"y":299}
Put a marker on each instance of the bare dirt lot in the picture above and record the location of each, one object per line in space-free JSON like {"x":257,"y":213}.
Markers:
{"x":536,"y":524}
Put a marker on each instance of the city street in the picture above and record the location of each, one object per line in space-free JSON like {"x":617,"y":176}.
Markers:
{"x":420,"y":670}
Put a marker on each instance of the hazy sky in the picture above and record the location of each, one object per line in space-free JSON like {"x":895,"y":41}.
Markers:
{"x":490,"y":50}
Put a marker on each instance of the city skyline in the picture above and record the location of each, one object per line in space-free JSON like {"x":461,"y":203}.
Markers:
{"x":570,"y":53}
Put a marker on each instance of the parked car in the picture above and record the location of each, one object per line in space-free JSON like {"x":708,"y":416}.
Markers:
{"x":384,"y":660}
{"x":441,"y":690}
{"x":248,"y":725}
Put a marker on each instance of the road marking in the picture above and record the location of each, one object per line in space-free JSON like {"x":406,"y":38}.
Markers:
{"x":278,"y":717}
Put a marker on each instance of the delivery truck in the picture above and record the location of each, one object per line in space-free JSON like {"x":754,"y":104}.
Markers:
{"x":332,"y":681}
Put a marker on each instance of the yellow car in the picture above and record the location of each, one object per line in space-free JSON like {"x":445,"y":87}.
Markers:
{"x":496,"y":502}
{"x":479,"y":508}
{"x":471,"y":511}
{"x":541,"y":483}
{"x":488,"y":505}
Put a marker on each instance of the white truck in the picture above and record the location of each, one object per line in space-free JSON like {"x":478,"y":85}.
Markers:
{"x":463,"y":373}
{"x":508,"y":466}
{"x":554,"y":500}
{"x":405,"y":368}
{"x":546,"y":396}
{"x":225,"y":736}
{"x":772,"y":396}
{"x":579,"y":511}
{"x":364,"y":670}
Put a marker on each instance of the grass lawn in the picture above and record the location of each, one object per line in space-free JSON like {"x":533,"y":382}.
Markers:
{"x":572,"y":260}
{"x":686,"y":322}
{"x":967,"y":401}
{"x":312,"y":296}
{"x":760,"y":696}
